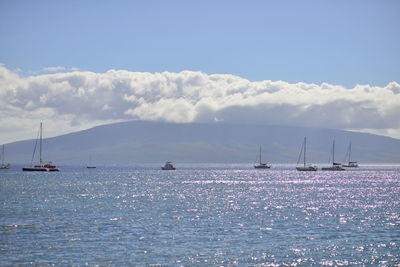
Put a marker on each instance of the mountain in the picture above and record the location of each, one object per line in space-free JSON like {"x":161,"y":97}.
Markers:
{"x":153,"y":142}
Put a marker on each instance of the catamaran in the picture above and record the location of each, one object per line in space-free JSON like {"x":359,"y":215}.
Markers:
{"x":335,"y":166}
{"x":4,"y":165}
{"x":350,"y":164}
{"x":262,"y":165}
{"x":42,"y":166}
{"x":304,"y":167}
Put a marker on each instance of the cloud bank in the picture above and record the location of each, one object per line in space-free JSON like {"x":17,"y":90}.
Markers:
{"x":80,"y":99}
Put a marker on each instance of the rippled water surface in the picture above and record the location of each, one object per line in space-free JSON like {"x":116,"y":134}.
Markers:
{"x":200,"y":215}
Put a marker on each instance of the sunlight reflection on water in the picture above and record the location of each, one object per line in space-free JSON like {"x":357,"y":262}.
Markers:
{"x":222,"y":215}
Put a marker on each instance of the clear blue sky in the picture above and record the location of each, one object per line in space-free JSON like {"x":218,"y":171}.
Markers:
{"x":339,"y":42}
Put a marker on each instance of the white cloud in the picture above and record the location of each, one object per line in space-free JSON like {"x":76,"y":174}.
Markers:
{"x":59,"y":68}
{"x":76,"y":100}
{"x":54,"y":69}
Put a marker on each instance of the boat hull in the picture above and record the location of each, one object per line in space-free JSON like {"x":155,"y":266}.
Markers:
{"x":351,"y":165}
{"x":334,"y":168}
{"x":168,"y":166}
{"x":307,"y":169}
{"x":40,"y":169}
{"x":262,"y":166}
{"x":168,"y":169}
{"x":5,"y":166}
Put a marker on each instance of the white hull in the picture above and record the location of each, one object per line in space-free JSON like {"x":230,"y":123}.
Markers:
{"x":5,"y":166}
{"x":40,"y":169}
{"x":351,"y":165}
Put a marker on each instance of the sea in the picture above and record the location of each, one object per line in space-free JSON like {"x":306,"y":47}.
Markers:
{"x":200,"y":215}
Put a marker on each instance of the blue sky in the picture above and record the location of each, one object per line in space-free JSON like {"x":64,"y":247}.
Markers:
{"x":77,"y":64}
{"x":338,"y":42}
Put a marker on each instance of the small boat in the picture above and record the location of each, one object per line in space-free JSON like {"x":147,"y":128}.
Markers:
{"x":262,"y":165}
{"x":304,"y":167}
{"x":335,"y":166}
{"x":90,"y":166}
{"x":168,"y":166}
{"x":46,"y":167}
{"x":4,"y":165}
{"x":350,"y":164}
{"x":42,"y":166}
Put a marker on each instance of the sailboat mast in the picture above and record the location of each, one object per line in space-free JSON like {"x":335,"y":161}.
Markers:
{"x":40,"y":145}
{"x":260,"y":155}
{"x":349,"y":151}
{"x":333,"y":153}
{"x":2,"y":156}
{"x":305,"y":144}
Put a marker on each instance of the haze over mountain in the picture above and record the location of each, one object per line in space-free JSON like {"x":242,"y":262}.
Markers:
{"x":153,"y":142}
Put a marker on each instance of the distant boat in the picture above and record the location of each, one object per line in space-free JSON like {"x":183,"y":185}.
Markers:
{"x":42,"y":166}
{"x":262,"y":165}
{"x":335,"y":166}
{"x":90,"y":166}
{"x":304,"y":167}
{"x":168,"y":166}
{"x":350,"y":164}
{"x":4,"y":165}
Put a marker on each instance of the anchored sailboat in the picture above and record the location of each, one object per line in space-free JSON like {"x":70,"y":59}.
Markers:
{"x":90,"y":166}
{"x":4,"y":165}
{"x":335,"y":166}
{"x":262,"y":165}
{"x":168,"y":166}
{"x":304,"y":167}
{"x":351,"y":164}
{"x":42,"y":166}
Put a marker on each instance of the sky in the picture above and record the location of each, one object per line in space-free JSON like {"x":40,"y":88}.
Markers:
{"x":77,"y":64}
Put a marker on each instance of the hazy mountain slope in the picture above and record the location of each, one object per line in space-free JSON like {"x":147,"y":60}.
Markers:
{"x":139,"y":141}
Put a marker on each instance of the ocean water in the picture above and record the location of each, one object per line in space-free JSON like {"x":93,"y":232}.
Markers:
{"x":200,"y":215}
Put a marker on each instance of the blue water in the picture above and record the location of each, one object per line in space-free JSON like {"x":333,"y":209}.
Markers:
{"x":200,"y":215}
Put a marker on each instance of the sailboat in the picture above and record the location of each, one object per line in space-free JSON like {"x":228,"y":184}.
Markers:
{"x":42,"y":166}
{"x":90,"y":166}
{"x":351,"y":164}
{"x":304,"y":167}
{"x":262,"y":165}
{"x":168,"y":166}
{"x":335,"y":166}
{"x":4,"y":165}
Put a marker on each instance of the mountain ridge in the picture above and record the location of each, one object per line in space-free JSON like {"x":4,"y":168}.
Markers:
{"x":150,"y":142}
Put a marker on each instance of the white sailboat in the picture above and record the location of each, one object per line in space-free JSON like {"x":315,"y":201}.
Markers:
{"x":304,"y":167}
{"x":262,"y":165}
{"x":3,"y":164}
{"x":335,"y":166}
{"x":42,"y":166}
{"x":350,"y":164}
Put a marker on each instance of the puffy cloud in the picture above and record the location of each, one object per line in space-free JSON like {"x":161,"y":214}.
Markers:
{"x":79,"y":99}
